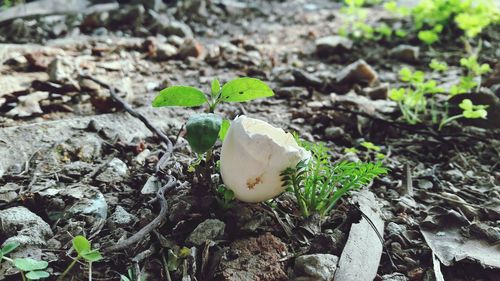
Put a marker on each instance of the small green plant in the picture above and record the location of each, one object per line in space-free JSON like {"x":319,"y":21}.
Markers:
{"x":355,"y":23}
{"x":204,"y":129}
{"x":318,"y":183}
{"x":469,"y":111}
{"x":419,"y":100}
{"x":473,"y":77}
{"x":438,"y":66}
{"x":432,"y":18}
{"x":30,"y":269}
{"x":85,"y":252}
{"x":225,"y":197}
{"x":412,"y":101}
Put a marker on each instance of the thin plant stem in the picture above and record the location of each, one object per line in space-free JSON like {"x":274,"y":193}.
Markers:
{"x":90,"y":271}
{"x":68,"y":268}
{"x":23,"y":276}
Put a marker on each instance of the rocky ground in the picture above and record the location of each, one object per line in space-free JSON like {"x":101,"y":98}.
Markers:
{"x":74,"y":163}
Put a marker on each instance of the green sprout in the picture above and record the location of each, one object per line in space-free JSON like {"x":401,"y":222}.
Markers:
{"x":204,"y":129}
{"x":225,"y":197}
{"x":418,"y":100}
{"x":438,"y":66}
{"x":318,"y":183}
{"x":85,"y":252}
{"x":412,"y":100}
{"x":30,"y":269}
{"x":469,"y":111}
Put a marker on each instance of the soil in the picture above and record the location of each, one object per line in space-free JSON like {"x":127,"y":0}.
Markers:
{"x":80,"y":165}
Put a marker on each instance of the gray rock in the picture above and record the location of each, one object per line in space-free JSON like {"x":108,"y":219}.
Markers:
{"x":24,"y":227}
{"x":90,"y":205}
{"x":331,"y":45}
{"x":118,"y":166}
{"x":190,"y":48}
{"x":8,"y":192}
{"x":177,"y":28}
{"x":175,"y":40}
{"x":380,"y":92}
{"x":357,"y":72}
{"x":121,"y":217}
{"x":424,"y":184}
{"x":320,"y":267}
{"x":61,"y":70}
{"x":405,"y":53}
{"x":151,"y":186}
{"x":395,"y":277}
{"x":165,"y":51}
{"x":454,"y":175}
{"x":303,"y":78}
{"x":85,"y":148}
{"x":333,"y":132}
{"x":395,"y":229}
{"x":210,"y":229}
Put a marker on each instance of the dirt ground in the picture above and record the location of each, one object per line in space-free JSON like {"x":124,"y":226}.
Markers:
{"x":74,"y":163}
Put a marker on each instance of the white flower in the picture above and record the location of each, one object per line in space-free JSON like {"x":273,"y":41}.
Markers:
{"x":253,"y":155}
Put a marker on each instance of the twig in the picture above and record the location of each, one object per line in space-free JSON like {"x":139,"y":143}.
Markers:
{"x":159,"y":220}
{"x":131,"y":111}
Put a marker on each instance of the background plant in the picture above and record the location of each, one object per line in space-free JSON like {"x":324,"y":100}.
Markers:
{"x":430,"y":18}
{"x":318,"y":183}
{"x":30,"y":269}
{"x":420,"y":102}
{"x":356,"y":25}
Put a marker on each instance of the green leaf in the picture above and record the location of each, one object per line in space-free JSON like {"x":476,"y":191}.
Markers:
{"x":405,"y":74}
{"x":370,"y":146}
{"x":215,"y":87}
{"x":180,"y":96}
{"x":9,"y":247}
{"x":397,"y":94}
{"x":29,"y":264}
{"x":81,"y":245}
{"x":466,"y":104}
{"x":428,"y":36}
{"x":224,"y":128}
{"x":202,"y":131}
{"x":35,"y":275}
{"x":92,"y":256}
{"x":245,"y":89}
{"x":438,"y":65}
{"x":124,"y":278}
{"x":473,"y":114}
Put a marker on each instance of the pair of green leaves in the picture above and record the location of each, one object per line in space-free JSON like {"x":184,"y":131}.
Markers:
{"x":34,"y":268}
{"x":204,"y":129}
{"x":237,"y":90}
{"x":83,"y":249}
{"x":472,"y":111}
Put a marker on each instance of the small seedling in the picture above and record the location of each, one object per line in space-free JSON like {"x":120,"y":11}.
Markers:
{"x":30,"y":269}
{"x":438,"y":66}
{"x":85,"y":252}
{"x":469,"y":111}
{"x":225,"y":197}
{"x":318,"y":183}
{"x":204,"y":129}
